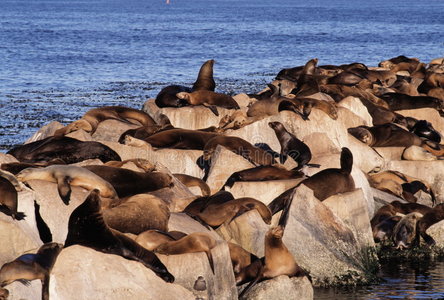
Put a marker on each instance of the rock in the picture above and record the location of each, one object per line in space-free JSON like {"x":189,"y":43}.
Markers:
{"x":364,"y":156}
{"x":390,"y":153}
{"x":186,"y":268}
{"x":19,"y":291}
{"x":242,"y":100}
{"x":361,"y":182}
{"x":320,"y":144}
{"x":7,"y":158}
{"x":349,"y":118}
{"x":184,"y":223}
{"x":382,"y":198}
{"x":111,"y":130}
{"x":281,"y":288}
{"x":44,"y":132}
{"x":355,"y":105}
{"x":96,"y":275}
{"x":80,"y":135}
{"x":436,"y":231}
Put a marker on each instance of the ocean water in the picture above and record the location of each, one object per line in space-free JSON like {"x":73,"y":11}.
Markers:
{"x":60,"y":58}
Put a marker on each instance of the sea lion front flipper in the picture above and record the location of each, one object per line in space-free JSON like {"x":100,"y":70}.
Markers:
{"x":64,"y":189}
{"x":213,"y":108}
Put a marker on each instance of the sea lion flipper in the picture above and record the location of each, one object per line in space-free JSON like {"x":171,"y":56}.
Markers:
{"x":64,"y":188}
{"x":24,"y":282}
{"x":243,"y":209}
{"x":213,"y":108}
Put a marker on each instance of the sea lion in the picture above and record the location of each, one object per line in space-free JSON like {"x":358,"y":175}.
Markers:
{"x":65,"y":148}
{"x":434,"y":148}
{"x":422,"y":128}
{"x":240,"y":258}
{"x":217,"y":214}
{"x":262,"y":173}
{"x":137,"y":214}
{"x":93,"y":117}
{"x":241,"y":147}
{"x":406,"y":208}
{"x":152,"y":238}
{"x":307,"y":83}
{"x":383,"y":213}
{"x":428,"y":219}
{"x":86,"y":227}
{"x":199,"y":204}
{"x":291,"y":145}
{"x":180,"y":139}
{"x":417,"y":153}
{"x":205,"y":80}
{"x":140,"y":163}
{"x":16,"y":167}
{"x":388,"y":186}
{"x":128,"y":183}
{"x":411,"y":188}
{"x":209,"y":99}
{"x":397,"y":101}
{"x":193,"y":242}
{"x":404,"y":233}
{"x":9,"y":199}
{"x":28,"y":267}
{"x":386,"y":135}
{"x":167,"y":96}
{"x":191,"y":181}
{"x":66,"y":176}
{"x":400,"y":63}
{"x":140,"y":133}
{"x":384,"y":230}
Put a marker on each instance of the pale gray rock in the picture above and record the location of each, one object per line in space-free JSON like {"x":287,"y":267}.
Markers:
{"x":84,"y":273}
{"x":44,"y":132}
{"x":436,"y":231}
{"x":243,"y":100}
{"x":7,"y":158}
{"x":19,"y":291}
{"x":355,"y":105}
{"x":390,"y":153}
{"x":111,"y":130}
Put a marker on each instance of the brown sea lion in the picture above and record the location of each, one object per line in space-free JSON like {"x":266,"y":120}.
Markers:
{"x":386,"y":135}
{"x":428,"y":219}
{"x":434,"y":148}
{"x":205,"y":80}
{"x":137,"y":214}
{"x":140,"y":163}
{"x":262,"y":173}
{"x":191,"y":181}
{"x":65,"y":148}
{"x":199,"y":204}
{"x":140,"y":133}
{"x":307,"y":83}
{"x":180,"y":139}
{"x":404,"y":233}
{"x":384,"y":229}
{"x":209,"y":99}
{"x":128,"y":183}
{"x":400,"y":63}
{"x":240,"y":258}
{"x":28,"y":267}
{"x":193,"y":242}
{"x":66,"y":176}
{"x":241,"y":147}
{"x":93,"y":117}
{"x":291,"y":146}
{"x":383,"y":213}
{"x":218,"y":214}
{"x":151,"y":239}
{"x":406,"y":208}
{"x":16,"y":167}
{"x":9,"y":199}
{"x":86,"y":227}
{"x":167,"y":96}
{"x":411,"y":188}
{"x":397,"y":101}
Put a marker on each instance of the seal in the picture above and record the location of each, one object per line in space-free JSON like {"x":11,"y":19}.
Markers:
{"x":167,"y":96}
{"x":205,"y":80}
{"x":417,"y":153}
{"x":86,"y":227}
{"x":411,"y":188}
{"x":307,"y":83}
{"x":255,"y":155}
{"x":28,"y":267}
{"x":137,"y":214}
{"x":65,"y":148}
{"x":191,"y":181}
{"x":93,"y":117}
{"x":192,"y":243}
{"x":16,"y":167}
{"x":9,"y":199}
{"x":180,"y":139}
{"x":386,"y":135}
{"x":429,"y":218}
{"x":397,"y":101}
{"x":262,"y":173}
{"x":128,"y":183}
{"x":209,"y":99}
{"x":66,"y":176}
{"x":199,"y":204}
{"x":425,"y":129}
{"x":291,"y":146}
{"x":384,"y":229}
{"x":152,"y":238}
{"x":217,"y":214}
{"x":404,"y":233}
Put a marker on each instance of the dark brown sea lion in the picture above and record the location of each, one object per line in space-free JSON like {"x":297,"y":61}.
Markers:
{"x":384,"y":229}
{"x":199,"y":204}
{"x":66,"y":176}
{"x":191,"y":181}
{"x":425,"y":129}
{"x":205,"y":79}
{"x":383,"y":213}
{"x":180,"y":139}
{"x":400,"y":63}
{"x":137,"y":214}
{"x":307,"y":83}
{"x":386,"y":135}
{"x":65,"y":148}
{"x":93,"y":117}
{"x":339,"y":92}
{"x":16,"y":167}
{"x":397,"y":101}
{"x":167,"y":96}
{"x":241,"y":147}
{"x":209,"y":99}
{"x":428,"y":219}
{"x":411,"y":188}
{"x":404,"y":233}
{"x":86,"y":227}
{"x":406,"y":208}
{"x":193,"y":242}
{"x":128,"y":183}
{"x":291,"y":145}
{"x":9,"y":199}
{"x":262,"y":173}
{"x":140,"y":133}
{"x":28,"y":267}
{"x":240,"y":258}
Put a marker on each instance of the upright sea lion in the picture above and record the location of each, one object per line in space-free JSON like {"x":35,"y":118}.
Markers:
{"x":137,"y":214}
{"x":404,"y":233}
{"x":386,"y":135}
{"x":93,"y":117}
{"x":430,"y":218}
{"x":205,"y":80}
{"x":67,"y":175}
{"x":128,"y":183}
{"x":9,"y":199}
{"x":86,"y":227}
{"x":65,"y":148}
{"x":28,"y":267}
{"x":180,"y":139}
{"x":241,"y":147}
{"x":193,"y":242}
{"x":209,"y":99}
{"x":307,"y":83}
{"x":191,"y":181}
{"x":291,"y":145}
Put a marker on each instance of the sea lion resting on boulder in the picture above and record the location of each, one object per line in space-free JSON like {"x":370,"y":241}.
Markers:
{"x":209,"y":99}
{"x":387,"y":135}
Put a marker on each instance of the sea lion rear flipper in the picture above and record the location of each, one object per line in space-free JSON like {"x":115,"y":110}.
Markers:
{"x":210,"y":259}
{"x":64,"y":188}
{"x":24,"y":282}
{"x":213,"y":108}
{"x":433,"y":198}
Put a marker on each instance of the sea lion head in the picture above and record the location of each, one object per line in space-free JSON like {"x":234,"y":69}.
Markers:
{"x":276,"y":125}
{"x":183,"y":95}
{"x":362,"y":134}
{"x":277,"y":232}
{"x":74,"y":126}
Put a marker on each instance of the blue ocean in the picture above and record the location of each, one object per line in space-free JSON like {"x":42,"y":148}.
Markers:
{"x":60,"y":58}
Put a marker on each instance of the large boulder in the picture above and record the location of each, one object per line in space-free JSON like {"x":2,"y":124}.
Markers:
{"x":111,"y":130}
{"x":44,"y":132}
{"x":355,"y":105}
{"x":436,"y":231}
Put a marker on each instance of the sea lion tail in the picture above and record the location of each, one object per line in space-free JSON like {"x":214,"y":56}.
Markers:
{"x":346,"y":160}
